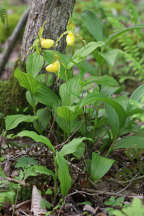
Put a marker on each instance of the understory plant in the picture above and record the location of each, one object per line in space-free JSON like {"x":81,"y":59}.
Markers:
{"x":95,"y":109}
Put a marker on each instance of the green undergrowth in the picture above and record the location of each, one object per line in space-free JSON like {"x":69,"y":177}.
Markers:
{"x":11,"y":96}
{"x":11,"y":20}
{"x":80,"y":120}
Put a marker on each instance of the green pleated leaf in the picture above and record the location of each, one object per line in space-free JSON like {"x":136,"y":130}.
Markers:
{"x":93,"y":25}
{"x":69,"y":112}
{"x":86,"y":50}
{"x":99,"y":166}
{"x":37,"y":138}
{"x":26,"y":80}
{"x":113,"y":120}
{"x":70,"y":91}
{"x":111,"y":56}
{"x":46,"y":96}
{"x":103,"y":80}
{"x":72,"y":146}
{"x":138,"y":94}
{"x":12,"y":121}
{"x":130,"y":142}
{"x":34,"y":64}
{"x":37,"y":170}
{"x":94,"y":97}
{"x":63,"y":174}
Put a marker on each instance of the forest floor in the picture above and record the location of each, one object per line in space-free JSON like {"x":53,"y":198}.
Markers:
{"x":125,"y":179}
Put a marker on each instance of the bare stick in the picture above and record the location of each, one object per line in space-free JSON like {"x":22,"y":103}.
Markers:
{"x":12,"y":40}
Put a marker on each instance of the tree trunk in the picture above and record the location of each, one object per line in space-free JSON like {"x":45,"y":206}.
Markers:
{"x":56,"y":12}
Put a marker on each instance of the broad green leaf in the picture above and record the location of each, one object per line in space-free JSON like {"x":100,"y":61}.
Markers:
{"x":72,"y":146}
{"x":80,"y":151}
{"x":6,"y":197}
{"x":82,"y":53}
{"x":113,"y":120}
{"x":12,"y":121}
{"x":46,"y":96}
{"x":94,"y":97}
{"x":25,"y":162}
{"x":103,"y":80}
{"x":136,"y":208}
{"x":31,"y":99}
{"x":130,"y":142}
{"x":138,"y":94}
{"x":68,"y":126}
{"x":99,"y":166}
{"x":37,"y":138}
{"x":43,"y":117}
{"x":69,"y":112}
{"x":34,"y":64}
{"x":37,"y":170}
{"x":70,"y":91}
{"x":93,"y":25}
{"x":109,"y":90}
{"x":26,"y":80}
{"x":63,"y":174}
{"x":86,"y":67}
{"x":111,"y":56}
{"x":2,"y":174}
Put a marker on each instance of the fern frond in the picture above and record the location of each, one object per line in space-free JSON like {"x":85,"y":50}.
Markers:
{"x":3,"y":14}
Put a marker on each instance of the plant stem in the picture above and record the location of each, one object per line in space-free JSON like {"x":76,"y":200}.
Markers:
{"x":110,"y":148}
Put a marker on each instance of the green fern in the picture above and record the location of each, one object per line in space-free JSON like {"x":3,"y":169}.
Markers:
{"x":131,"y":42}
{"x":3,"y":14}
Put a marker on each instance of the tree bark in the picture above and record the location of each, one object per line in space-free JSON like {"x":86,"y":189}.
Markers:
{"x":56,"y":12}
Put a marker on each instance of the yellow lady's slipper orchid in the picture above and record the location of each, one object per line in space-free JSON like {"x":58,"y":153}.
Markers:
{"x":54,"y":67}
{"x":70,"y":39}
{"x":46,"y":43}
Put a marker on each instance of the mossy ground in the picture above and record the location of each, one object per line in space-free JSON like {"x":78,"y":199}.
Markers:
{"x":12,"y":96}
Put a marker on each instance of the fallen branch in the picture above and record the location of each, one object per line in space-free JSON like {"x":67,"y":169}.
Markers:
{"x":12,"y":40}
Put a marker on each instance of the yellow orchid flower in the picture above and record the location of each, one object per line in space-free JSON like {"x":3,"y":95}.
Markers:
{"x":70,"y":39}
{"x":46,"y":43}
{"x":54,"y":67}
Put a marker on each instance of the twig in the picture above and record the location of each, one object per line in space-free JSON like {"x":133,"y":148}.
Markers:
{"x":51,"y":128}
{"x":68,"y":139}
{"x":16,"y":181}
{"x":24,"y":213}
{"x":12,"y":40}
{"x":20,"y":204}
{"x":97,"y":192}
{"x":130,"y":182}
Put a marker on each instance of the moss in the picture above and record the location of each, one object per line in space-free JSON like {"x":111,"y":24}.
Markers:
{"x":5,"y":32}
{"x":12,"y":96}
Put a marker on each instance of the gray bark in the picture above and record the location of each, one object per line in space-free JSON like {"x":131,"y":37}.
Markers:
{"x":57,"y":12}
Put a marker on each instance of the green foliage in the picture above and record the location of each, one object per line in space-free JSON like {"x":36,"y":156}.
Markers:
{"x":136,"y":208}
{"x":12,"y":121}
{"x":7,"y":29}
{"x":6,"y":197}
{"x":11,"y":96}
{"x":94,"y":115}
{"x":93,"y":24}
{"x":3,"y":14}
{"x":99,"y":166}
{"x":25,"y":162}
{"x":63,"y":174}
